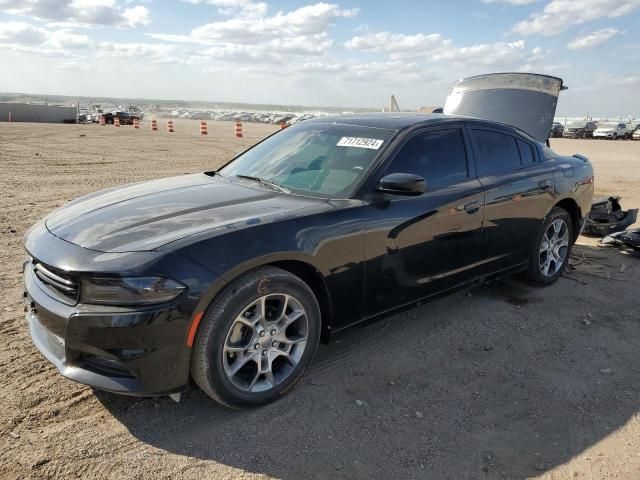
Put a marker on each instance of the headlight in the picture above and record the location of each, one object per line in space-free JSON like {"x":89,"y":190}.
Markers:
{"x":130,"y":290}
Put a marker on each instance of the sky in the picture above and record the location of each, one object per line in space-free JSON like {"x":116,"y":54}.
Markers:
{"x":354,"y":53}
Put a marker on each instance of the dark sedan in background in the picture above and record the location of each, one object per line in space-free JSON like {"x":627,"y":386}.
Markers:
{"x":557,"y":129}
{"x":125,"y":118}
{"x":580,"y":130}
{"x":232,"y":277}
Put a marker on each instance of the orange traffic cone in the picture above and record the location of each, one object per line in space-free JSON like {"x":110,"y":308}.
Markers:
{"x":136,"y":123}
{"x":154,"y":125}
{"x":116,"y":121}
{"x":239,"y":130}
{"x":170,"y":126}
{"x":203,"y":128}
{"x":102,"y":122}
{"x":283,"y":125}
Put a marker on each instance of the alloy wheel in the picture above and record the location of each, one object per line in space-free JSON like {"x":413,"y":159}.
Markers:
{"x":554,"y":247}
{"x":265,"y":343}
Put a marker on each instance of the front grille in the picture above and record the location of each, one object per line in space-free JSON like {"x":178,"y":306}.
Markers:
{"x":58,"y":280}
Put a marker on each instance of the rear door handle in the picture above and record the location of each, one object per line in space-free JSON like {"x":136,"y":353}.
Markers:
{"x":546,"y":185}
{"x":472,"y":207}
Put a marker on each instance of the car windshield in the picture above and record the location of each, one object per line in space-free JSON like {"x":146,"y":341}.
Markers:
{"x":315,"y":159}
{"x":578,"y":125}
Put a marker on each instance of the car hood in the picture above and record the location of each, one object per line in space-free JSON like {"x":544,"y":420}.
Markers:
{"x":145,"y":216}
{"x":525,"y":100}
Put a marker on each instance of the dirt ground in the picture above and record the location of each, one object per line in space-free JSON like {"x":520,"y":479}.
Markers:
{"x":499,"y":381}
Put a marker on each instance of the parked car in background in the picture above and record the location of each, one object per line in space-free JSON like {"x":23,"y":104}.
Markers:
{"x":557,"y":129}
{"x":612,"y":131}
{"x":633,"y":129}
{"x":125,"y":118}
{"x":579,"y":130}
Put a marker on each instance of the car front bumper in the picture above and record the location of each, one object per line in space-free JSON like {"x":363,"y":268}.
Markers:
{"x":118,"y":350}
{"x":129,"y":350}
{"x":603,"y":135}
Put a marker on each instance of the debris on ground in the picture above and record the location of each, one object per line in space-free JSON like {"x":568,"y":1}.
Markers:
{"x":606,"y":217}
{"x":627,"y":238}
{"x":589,"y":263}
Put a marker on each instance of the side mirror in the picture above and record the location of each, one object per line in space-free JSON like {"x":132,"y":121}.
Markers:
{"x":402,"y":184}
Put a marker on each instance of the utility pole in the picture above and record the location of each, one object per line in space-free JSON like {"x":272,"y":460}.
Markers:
{"x":393,"y":104}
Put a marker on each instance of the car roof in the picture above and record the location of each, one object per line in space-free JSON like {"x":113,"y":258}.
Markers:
{"x":401,"y":120}
{"x":389,"y":120}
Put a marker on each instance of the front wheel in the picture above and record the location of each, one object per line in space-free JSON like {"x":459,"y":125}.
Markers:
{"x":552,"y":248}
{"x":256,"y":339}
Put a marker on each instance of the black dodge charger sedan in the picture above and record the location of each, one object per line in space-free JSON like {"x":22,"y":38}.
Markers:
{"x":233,"y":277}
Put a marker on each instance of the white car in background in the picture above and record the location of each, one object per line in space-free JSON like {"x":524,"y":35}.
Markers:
{"x":636,"y":134}
{"x":612,"y":131}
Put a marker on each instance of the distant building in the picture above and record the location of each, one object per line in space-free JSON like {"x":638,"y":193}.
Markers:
{"x":26,"y":112}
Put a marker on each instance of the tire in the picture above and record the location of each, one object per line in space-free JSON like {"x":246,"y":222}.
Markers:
{"x":538,"y":260}
{"x":614,"y":137}
{"x":583,"y":135}
{"x":227,"y":325}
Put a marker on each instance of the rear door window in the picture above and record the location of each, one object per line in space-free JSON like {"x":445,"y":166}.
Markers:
{"x":495,"y":152}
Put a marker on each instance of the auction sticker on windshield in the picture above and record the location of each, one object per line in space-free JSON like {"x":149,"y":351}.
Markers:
{"x":358,"y":142}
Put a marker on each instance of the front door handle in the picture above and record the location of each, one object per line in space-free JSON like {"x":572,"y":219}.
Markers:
{"x":546,"y":185}
{"x":472,"y":207}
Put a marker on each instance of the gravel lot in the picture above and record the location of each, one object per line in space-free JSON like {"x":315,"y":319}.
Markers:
{"x":499,"y":381}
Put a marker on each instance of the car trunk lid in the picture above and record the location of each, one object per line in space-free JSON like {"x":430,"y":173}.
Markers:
{"x":525,"y":100}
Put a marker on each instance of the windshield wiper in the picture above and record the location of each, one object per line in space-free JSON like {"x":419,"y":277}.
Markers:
{"x":266,"y":182}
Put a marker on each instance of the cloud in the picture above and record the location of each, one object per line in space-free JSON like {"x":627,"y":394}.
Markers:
{"x":511,"y":2}
{"x":253,"y":36}
{"x":435,"y":48}
{"x":136,"y":17}
{"x":229,"y":7}
{"x":24,"y":38}
{"x":85,"y":12}
{"x":488,"y":54}
{"x":558,"y":15}
{"x":593,"y":39}
{"x":67,"y":40}
{"x":397,"y":42}
{"x":624,"y":81}
{"x":22,"y":33}
{"x":307,"y":20}
{"x":20,"y":36}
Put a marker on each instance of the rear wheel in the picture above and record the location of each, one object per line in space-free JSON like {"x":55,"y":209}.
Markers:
{"x":552,"y":248}
{"x":256,"y":339}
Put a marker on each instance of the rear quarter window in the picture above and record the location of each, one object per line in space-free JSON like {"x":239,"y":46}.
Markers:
{"x":526,"y":153}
